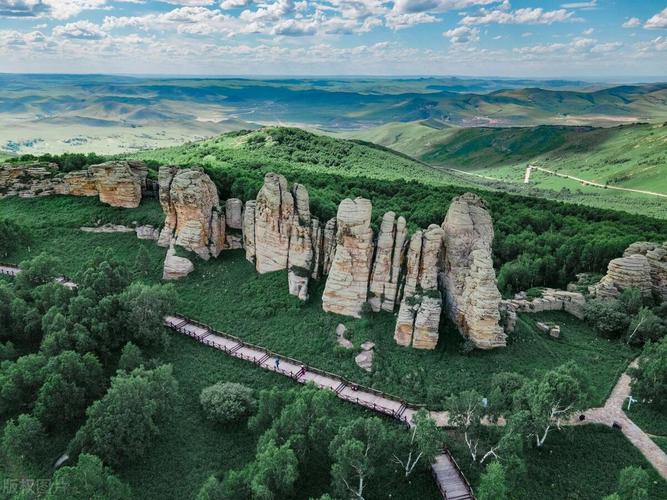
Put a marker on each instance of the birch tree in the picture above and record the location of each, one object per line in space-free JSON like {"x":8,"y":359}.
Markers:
{"x":425,"y":443}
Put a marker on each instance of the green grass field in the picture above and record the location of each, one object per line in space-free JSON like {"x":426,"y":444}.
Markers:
{"x":229,"y":294}
{"x":628,"y":156}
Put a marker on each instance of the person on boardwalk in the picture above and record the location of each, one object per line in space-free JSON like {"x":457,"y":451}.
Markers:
{"x":277,"y":363}
{"x":302,"y":371}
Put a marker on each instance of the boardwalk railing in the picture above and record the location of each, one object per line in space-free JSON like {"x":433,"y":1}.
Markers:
{"x":469,"y":495}
{"x":180,"y":326}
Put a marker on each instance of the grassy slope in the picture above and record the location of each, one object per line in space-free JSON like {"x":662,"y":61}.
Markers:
{"x":227,"y":292}
{"x":631,"y":156}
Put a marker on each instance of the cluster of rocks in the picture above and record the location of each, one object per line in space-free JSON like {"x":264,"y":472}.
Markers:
{"x":643,"y":266}
{"x":551,"y":300}
{"x":278,"y":232}
{"x":552,"y":329}
{"x":146,"y":232}
{"x":117,"y":183}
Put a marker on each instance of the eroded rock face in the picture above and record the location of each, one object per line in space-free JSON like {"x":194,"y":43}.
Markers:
{"x":190,"y":202}
{"x":387,"y":265}
{"x":419,"y":313}
{"x":551,"y":300}
{"x":274,"y":211}
{"x":249,"y":230}
{"x":316,"y":234}
{"x":176,"y":267}
{"x":300,"y":254}
{"x":347,"y":284}
{"x":656,"y":254}
{"x":472,"y":294}
{"x":328,"y":245}
{"x":234,"y":213}
{"x":120,"y":183}
{"x":625,"y":272}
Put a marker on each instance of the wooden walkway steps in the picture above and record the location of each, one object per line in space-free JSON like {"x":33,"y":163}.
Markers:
{"x":449,"y":477}
{"x":451,"y":482}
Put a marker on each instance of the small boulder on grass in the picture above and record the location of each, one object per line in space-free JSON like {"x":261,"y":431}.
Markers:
{"x":227,"y":402}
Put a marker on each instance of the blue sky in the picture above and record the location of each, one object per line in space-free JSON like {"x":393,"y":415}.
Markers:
{"x":594,"y":39}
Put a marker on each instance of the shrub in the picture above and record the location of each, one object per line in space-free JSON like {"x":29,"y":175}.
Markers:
{"x":227,"y":402}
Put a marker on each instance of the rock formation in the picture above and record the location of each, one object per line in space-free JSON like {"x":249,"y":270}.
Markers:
{"x":473,"y":298}
{"x":656,"y":254}
{"x":233,"y":224}
{"x":625,"y":272}
{"x":300,"y":254}
{"x":234,"y":213}
{"x":419,"y":313}
{"x":346,"y":289}
{"x":249,"y":230}
{"x":551,"y":300}
{"x":190,"y":202}
{"x":118,"y":183}
{"x":328,"y":245}
{"x":316,"y":234}
{"x":274,"y":211}
{"x":175,"y":267}
{"x":389,"y":255}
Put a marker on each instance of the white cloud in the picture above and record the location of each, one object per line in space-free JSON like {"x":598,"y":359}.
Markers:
{"x":658,"y":44}
{"x":462,"y":35}
{"x":80,"y":30}
{"x":580,"y":5}
{"x":415,"y":6}
{"x":519,"y":16}
{"x":234,"y":4}
{"x":188,"y":20}
{"x":588,"y":31}
{"x":658,"y":21}
{"x":633,"y":22}
{"x":58,"y":9}
{"x":579,"y":48}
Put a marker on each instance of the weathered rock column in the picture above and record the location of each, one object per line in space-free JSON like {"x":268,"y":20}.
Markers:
{"x":346,"y":289}
{"x":249,"y":230}
{"x":274,"y":211}
{"x":300,"y":256}
{"x":388,"y":262}
{"x":316,"y":240}
{"x":192,"y":211}
{"x":234,"y":224}
{"x":418,"y":319}
{"x":328,"y":245}
{"x":473,"y":298}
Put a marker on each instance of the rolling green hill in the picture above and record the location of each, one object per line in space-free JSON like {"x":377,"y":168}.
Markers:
{"x":104,"y":114}
{"x":628,"y":156}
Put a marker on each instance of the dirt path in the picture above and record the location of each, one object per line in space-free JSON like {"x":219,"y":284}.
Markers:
{"x":612,"y":412}
{"x":596,"y":184}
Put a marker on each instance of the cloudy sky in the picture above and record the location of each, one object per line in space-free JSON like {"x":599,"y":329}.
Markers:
{"x":539,"y":38}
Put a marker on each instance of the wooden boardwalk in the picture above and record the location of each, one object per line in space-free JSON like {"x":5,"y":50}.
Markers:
{"x":450,"y":479}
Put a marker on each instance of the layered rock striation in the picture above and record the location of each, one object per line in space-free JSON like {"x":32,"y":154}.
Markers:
{"x":193,"y":217}
{"x":300,"y":253}
{"x":389,"y":254}
{"x":419,"y":313}
{"x":274,"y":211}
{"x":117,"y":183}
{"x":472,"y":294}
{"x":643,"y":266}
{"x":120,"y":183}
{"x":346,"y":289}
